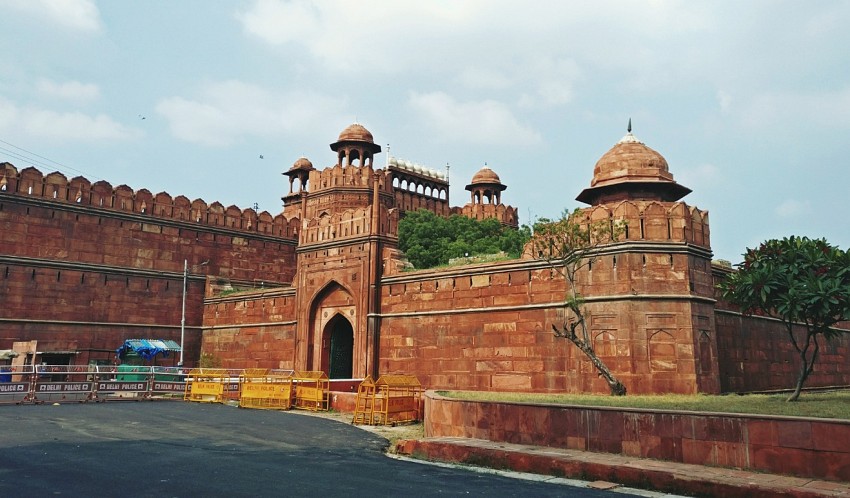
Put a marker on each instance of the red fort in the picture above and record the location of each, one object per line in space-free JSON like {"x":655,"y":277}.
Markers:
{"x":320,"y":286}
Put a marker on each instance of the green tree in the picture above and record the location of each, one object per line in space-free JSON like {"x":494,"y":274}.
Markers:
{"x":804,"y":283}
{"x":570,"y":244}
{"x":429,"y":240}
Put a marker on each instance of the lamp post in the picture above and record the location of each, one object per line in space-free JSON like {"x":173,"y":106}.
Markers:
{"x":183,"y":313}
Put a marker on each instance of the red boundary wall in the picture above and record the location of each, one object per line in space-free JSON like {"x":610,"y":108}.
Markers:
{"x":803,"y":447}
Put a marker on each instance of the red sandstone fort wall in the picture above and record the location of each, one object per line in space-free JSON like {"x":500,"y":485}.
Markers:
{"x":251,"y":330}
{"x":489,"y":328}
{"x":95,"y":265}
{"x":485,"y":328}
{"x":757,"y":355}
{"x":55,"y":186}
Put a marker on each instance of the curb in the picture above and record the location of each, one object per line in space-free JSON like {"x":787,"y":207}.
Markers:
{"x":670,"y":477}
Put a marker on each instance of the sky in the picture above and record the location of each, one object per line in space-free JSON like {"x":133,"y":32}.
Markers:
{"x":749,"y":102}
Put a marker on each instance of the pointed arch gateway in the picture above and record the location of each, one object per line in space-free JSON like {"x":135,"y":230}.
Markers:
{"x":338,"y":350}
{"x":332,"y":332}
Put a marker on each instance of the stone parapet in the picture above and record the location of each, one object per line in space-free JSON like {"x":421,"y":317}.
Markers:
{"x":802,"y":447}
{"x":55,"y":187}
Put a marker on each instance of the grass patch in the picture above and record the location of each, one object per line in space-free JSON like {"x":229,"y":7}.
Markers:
{"x":835,"y":404}
{"x":470,"y":260}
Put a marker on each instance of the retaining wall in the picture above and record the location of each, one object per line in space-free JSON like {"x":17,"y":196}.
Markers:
{"x":802,"y":447}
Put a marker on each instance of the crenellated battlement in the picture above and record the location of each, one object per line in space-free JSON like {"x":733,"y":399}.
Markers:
{"x":56,"y":187}
{"x":339,"y":176}
{"x":507,"y":215}
{"x":655,"y":221}
{"x":350,"y":223}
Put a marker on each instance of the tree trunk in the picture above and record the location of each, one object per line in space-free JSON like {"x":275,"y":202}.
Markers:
{"x":617,"y":388}
{"x":805,"y":369}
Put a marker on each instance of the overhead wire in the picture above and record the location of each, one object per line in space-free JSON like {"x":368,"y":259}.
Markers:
{"x":29,"y":157}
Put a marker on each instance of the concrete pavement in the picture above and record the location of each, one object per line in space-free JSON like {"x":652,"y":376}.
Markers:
{"x":178,"y":449}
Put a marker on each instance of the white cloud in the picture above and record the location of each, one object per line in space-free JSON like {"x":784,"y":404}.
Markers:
{"x":228,"y":111}
{"x":62,"y":126}
{"x":532,"y":57}
{"x":724,"y":100}
{"x":541,"y":81}
{"x":479,"y":122}
{"x":69,"y":90}
{"x":350,"y":34}
{"x":552,"y":80}
{"x":775,"y":110}
{"x":485,"y":78}
{"x":704,"y":175}
{"x":80,"y":15}
{"x":281,"y":22}
{"x":792,"y":208}
{"x":365,"y":36}
{"x":8,"y":115}
{"x":75,"y":126}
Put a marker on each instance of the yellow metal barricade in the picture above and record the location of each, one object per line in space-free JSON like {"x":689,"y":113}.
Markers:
{"x":364,"y":406}
{"x":206,"y":385}
{"x":398,"y":399}
{"x":261,"y":389}
{"x":231,"y":385}
{"x":311,"y":390}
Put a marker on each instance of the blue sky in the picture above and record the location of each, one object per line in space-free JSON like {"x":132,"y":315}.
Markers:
{"x":749,"y":102}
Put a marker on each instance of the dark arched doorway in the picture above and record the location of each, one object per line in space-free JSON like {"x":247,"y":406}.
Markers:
{"x":341,"y":348}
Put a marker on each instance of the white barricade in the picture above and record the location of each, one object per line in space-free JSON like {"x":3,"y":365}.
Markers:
{"x":16,"y":384}
{"x":62,"y":383}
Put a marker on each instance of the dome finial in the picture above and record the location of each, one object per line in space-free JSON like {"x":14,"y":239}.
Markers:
{"x":629,"y":138}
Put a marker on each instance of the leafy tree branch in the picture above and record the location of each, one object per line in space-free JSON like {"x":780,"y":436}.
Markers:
{"x":569,"y":245}
{"x":803,"y":282}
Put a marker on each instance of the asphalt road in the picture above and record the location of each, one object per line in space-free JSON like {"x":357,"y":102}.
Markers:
{"x":177,"y":449}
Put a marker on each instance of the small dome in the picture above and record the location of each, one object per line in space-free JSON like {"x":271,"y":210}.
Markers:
{"x":303,"y":164}
{"x":485,"y":175}
{"x":356,"y":133}
{"x":486,"y":178}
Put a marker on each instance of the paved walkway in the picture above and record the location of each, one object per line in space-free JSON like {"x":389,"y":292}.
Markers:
{"x":609,"y":469}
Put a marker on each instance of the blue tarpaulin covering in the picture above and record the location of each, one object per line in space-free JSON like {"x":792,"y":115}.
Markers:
{"x":147,"y":348}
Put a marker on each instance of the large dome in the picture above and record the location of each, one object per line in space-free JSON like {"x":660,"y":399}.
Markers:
{"x":630,"y":160}
{"x":633,"y":170}
{"x":355,"y":133}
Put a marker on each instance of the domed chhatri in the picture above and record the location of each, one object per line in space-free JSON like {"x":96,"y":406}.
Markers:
{"x":356,"y":133}
{"x":303,"y":164}
{"x":300,"y":171}
{"x":355,"y":146}
{"x":486,"y":187}
{"x":632,"y":170}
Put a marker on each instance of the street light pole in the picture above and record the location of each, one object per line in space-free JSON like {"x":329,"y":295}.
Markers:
{"x":183,"y":315}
